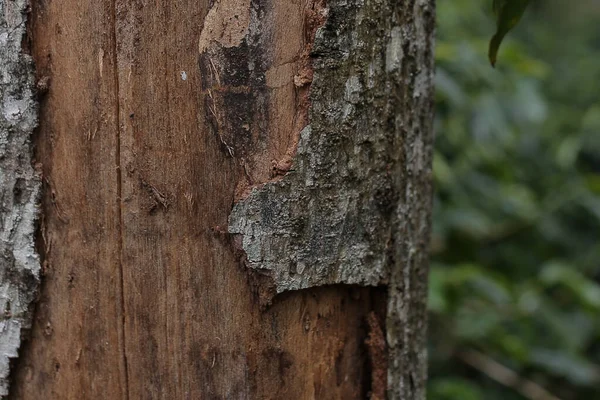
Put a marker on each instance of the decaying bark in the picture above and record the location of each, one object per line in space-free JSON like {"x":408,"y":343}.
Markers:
{"x":354,"y":207}
{"x":19,"y":186}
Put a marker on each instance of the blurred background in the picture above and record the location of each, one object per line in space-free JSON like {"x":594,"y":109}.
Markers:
{"x":515,"y":279}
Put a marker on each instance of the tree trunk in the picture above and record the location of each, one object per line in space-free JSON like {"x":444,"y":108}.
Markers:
{"x":235,"y":198}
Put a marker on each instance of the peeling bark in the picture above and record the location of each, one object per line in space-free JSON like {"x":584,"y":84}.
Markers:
{"x":327,"y":135}
{"x":143,"y":296}
{"x":19,"y":187}
{"x":354,"y":207}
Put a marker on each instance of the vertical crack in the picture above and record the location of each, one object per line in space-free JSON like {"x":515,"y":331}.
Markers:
{"x":121,"y":334}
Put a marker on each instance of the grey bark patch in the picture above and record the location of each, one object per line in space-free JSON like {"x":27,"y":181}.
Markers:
{"x":318,"y":225}
{"x":327,"y":220}
{"x":19,"y":187}
{"x":355,"y":207}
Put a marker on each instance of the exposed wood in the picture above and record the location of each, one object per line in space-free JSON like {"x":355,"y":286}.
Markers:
{"x":75,"y":350}
{"x":145,"y":296}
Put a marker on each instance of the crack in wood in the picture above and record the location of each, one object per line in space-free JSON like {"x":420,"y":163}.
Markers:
{"x":124,"y":366}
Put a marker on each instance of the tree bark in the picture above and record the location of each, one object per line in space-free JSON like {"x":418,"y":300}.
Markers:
{"x":19,"y":188}
{"x":236,"y":198}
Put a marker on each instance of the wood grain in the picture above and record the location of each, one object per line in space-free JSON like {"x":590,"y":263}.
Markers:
{"x":75,"y":350}
{"x":144,"y":295}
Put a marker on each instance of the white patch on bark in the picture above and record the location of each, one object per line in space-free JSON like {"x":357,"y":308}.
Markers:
{"x":19,"y":187}
{"x":394,"y":52}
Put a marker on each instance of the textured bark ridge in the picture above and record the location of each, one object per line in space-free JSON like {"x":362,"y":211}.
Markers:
{"x":19,"y":186}
{"x":354,"y":207}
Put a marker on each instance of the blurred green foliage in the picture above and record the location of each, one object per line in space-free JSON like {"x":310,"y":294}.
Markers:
{"x":515,"y":251}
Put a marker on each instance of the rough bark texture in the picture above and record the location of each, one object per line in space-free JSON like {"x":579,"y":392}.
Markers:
{"x":354,"y":207}
{"x":409,"y":64}
{"x":19,"y":186}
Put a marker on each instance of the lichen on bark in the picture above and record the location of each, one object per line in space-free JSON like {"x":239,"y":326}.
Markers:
{"x":355,"y":206}
{"x":19,"y":186}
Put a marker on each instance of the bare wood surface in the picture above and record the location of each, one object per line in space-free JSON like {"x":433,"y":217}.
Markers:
{"x":144,"y":295}
{"x":75,"y":350}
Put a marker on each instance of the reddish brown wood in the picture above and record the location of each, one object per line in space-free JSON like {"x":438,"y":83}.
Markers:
{"x":144,"y":295}
{"x":75,"y":350}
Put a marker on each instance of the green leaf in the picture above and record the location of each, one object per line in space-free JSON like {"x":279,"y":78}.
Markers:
{"x":556,"y":273}
{"x":508,"y":13}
